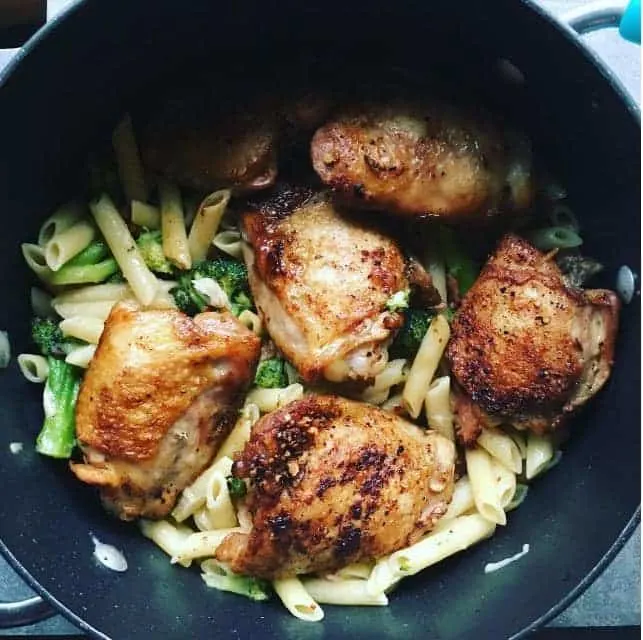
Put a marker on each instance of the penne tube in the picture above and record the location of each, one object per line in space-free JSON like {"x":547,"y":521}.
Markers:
{"x":540,"y":451}
{"x":424,"y":365}
{"x":202,"y":544}
{"x":240,"y":433}
{"x":519,"y":438}
{"x":206,"y":222}
{"x":81,"y":356}
{"x":229,"y":241}
{"x":343,"y":592}
{"x":34,"y":368}
{"x":62,"y":219}
{"x":142,"y":281}
{"x":394,"y":374}
{"x":502,"y":448}
{"x":194,"y":497}
{"x":252,"y":321}
{"x":128,"y":160}
{"x":221,"y":512}
{"x":94,"y":293}
{"x":437,"y":405}
{"x":484,"y":486}
{"x":145,"y":215}
{"x":271,"y":399}
{"x":361,"y":570}
{"x":505,"y":482}
{"x":169,"y":537}
{"x":175,"y":241}
{"x":461,"y":533}
{"x":84,"y":328}
{"x":69,"y":243}
{"x":394,"y":404}
{"x":297,"y":600}
{"x":99,"y":309}
{"x":462,"y":500}
{"x":34,"y":256}
{"x":218,"y":576}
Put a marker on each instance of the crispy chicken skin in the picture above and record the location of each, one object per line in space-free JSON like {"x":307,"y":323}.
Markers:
{"x":157,"y":400}
{"x":321,"y":281}
{"x":423,"y":160}
{"x":525,"y":347}
{"x":333,"y":481}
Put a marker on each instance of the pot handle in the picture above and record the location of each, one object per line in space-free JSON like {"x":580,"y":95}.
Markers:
{"x":24,"y":612}
{"x":604,"y":14}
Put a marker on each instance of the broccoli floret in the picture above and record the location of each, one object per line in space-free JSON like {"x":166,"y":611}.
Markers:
{"x":116,"y":278}
{"x":150,"y":244}
{"x":271,"y":374}
{"x":407,"y":341}
{"x":232,"y":277}
{"x":236,"y":487}
{"x":49,"y":338}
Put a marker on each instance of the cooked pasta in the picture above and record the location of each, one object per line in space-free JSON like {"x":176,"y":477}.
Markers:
{"x":425,"y":364}
{"x":229,"y":241}
{"x":33,"y":367}
{"x":171,"y":538}
{"x":271,"y":399}
{"x":505,"y":482}
{"x":240,"y":433}
{"x":120,"y":241}
{"x":297,"y":600}
{"x":145,"y":215}
{"x":99,"y":309}
{"x":68,"y":243}
{"x":540,"y":451}
{"x":502,"y":447}
{"x":437,"y":405}
{"x":175,"y":240}
{"x":94,"y":293}
{"x":85,"y":328}
{"x":64,"y":217}
{"x":343,"y":592}
{"x":206,"y":223}
{"x":251,"y":320}
{"x":462,"y":500}
{"x":34,"y":256}
{"x":199,"y":545}
{"x":130,"y":169}
{"x":484,"y":486}
{"x":81,"y":356}
{"x":394,"y":374}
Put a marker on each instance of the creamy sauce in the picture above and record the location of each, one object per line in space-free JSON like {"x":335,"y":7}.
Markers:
{"x":108,"y":555}
{"x":490,"y":567}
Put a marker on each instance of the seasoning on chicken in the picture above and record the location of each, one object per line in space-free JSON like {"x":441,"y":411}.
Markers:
{"x":333,"y":481}
{"x":159,"y":397}
{"x":525,"y":347}
{"x":429,"y":160}
{"x":321,"y":281}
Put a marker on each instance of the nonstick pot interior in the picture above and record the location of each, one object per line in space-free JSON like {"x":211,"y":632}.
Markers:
{"x":64,"y":97}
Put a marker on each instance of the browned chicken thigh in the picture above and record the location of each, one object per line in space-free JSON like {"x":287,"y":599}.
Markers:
{"x":423,"y":160}
{"x":525,"y":347}
{"x":159,"y":397}
{"x":333,"y":481}
{"x":321,"y":281}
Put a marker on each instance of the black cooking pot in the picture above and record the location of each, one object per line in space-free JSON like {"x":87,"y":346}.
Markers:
{"x":65,"y":92}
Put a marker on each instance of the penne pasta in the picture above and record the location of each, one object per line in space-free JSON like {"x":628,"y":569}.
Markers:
{"x":175,"y":240}
{"x":424,"y":365}
{"x":128,"y":160}
{"x":69,"y":243}
{"x":34,"y":256}
{"x":94,"y":293}
{"x":461,"y":533}
{"x":502,"y":448}
{"x":195,"y":496}
{"x":206,"y":222}
{"x":394,"y":374}
{"x":252,"y":321}
{"x":505,"y":482}
{"x":462,"y":500}
{"x":271,"y":399}
{"x":221,"y":512}
{"x":484,"y":486}
{"x":437,"y":405}
{"x":229,"y":241}
{"x":62,"y":219}
{"x":81,"y":356}
{"x":202,"y":544}
{"x":297,"y":600}
{"x":145,"y":215}
{"x":540,"y":451}
{"x":169,"y":537}
{"x":85,"y":328}
{"x":218,"y":576}
{"x":34,"y":368}
{"x":343,"y":592}
{"x":120,"y":241}
{"x":361,"y":570}
{"x":98,"y":310}
{"x":394,"y":404}
{"x":240,"y":433}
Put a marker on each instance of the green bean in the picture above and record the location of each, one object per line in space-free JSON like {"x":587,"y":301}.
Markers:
{"x":93,"y":253}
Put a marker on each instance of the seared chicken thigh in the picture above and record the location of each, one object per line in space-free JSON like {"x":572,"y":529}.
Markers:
{"x":157,"y":400}
{"x":321,"y":281}
{"x":332,"y":482}
{"x":423,"y":160}
{"x":525,"y":347}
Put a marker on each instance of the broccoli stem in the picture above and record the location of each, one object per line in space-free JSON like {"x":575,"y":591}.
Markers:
{"x":253,"y":588}
{"x":89,"y":273}
{"x":458,"y":264}
{"x":92,"y":254}
{"x":58,"y":434}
